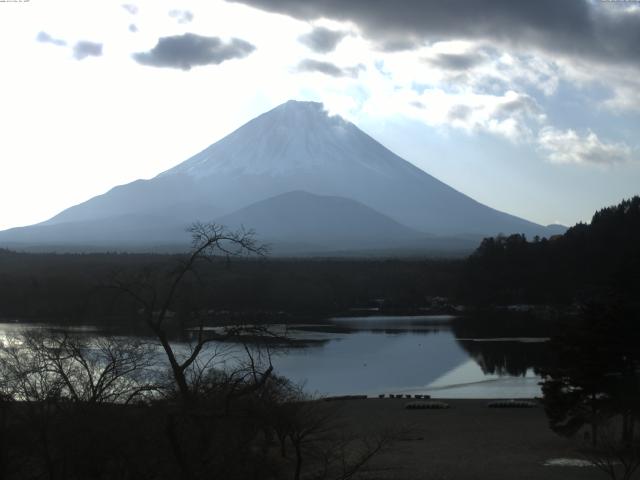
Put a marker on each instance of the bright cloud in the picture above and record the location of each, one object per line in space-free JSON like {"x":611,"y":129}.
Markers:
{"x":567,"y":146}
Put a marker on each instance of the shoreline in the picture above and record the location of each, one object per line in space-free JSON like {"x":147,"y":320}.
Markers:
{"x":466,"y":441}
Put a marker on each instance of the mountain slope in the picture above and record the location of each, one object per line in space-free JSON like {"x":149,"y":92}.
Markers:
{"x":120,"y":232}
{"x":294,"y":147}
{"x":321,"y":222}
{"x":297,"y":146}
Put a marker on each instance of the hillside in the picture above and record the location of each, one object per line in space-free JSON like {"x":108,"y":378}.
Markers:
{"x":296,"y":147}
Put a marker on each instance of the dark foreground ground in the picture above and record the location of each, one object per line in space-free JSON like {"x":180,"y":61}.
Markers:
{"x":467,"y":441}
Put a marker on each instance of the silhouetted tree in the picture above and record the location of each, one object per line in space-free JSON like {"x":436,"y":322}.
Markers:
{"x":155,"y":294}
{"x":587,"y":260}
{"x":616,"y":458}
{"x":595,"y":372}
{"x":52,"y":381}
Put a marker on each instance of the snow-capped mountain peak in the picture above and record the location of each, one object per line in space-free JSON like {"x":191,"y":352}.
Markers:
{"x":292,"y":137}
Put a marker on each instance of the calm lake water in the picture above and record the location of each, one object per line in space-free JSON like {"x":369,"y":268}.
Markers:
{"x":408,"y":355}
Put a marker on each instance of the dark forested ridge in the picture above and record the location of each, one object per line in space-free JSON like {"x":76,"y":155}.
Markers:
{"x":74,"y":287}
{"x":600,"y":258}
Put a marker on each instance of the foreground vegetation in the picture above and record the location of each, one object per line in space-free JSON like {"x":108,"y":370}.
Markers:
{"x":108,"y":410}
{"x":117,"y":408}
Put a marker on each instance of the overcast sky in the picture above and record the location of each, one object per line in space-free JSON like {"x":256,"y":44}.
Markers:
{"x":531,"y":107}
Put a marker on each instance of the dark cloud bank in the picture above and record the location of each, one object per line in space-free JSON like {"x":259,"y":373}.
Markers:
{"x":190,"y":50}
{"x":322,"y":40}
{"x":595,"y":30}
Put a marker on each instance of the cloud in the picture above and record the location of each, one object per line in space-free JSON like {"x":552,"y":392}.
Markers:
{"x":322,"y":40}
{"x":459,"y":112}
{"x":398,"y":44}
{"x":81,"y":50}
{"x":460,"y":67}
{"x":619,"y":84}
{"x":575,"y":28}
{"x":44,"y":37}
{"x":450,"y":61}
{"x":190,"y":50}
{"x":132,"y":9}
{"x":133,"y":28}
{"x":181,"y":16}
{"x":310,"y":65}
{"x":519,"y":104}
{"x":567,"y":146}
{"x":512,"y":115}
{"x":84,"y":49}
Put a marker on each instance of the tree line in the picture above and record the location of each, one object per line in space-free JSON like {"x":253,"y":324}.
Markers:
{"x":61,"y":288}
{"x":600,"y":258}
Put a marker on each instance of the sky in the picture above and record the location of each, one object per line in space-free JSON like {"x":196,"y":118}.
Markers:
{"x":532,"y":108}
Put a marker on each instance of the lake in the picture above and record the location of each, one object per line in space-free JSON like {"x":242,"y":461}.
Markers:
{"x":402,"y":355}
{"x":409,"y":355}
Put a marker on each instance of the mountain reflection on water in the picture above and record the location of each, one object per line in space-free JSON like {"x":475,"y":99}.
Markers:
{"x":440,"y":355}
{"x":416,"y":354}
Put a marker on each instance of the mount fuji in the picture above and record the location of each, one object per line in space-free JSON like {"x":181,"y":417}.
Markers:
{"x":295,"y":174}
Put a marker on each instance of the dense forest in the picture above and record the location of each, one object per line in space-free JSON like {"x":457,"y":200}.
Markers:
{"x":76,"y":288}
{"x":600,"y":259}
{"x":590,"y":260}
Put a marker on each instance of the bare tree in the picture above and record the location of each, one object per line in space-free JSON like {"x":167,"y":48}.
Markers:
{"x":323,"y":445}
{"x":229,"y":396}
{"x":52,"y":377}
{"x":38,"y":366}
{"x":155,"y":297}
{"x":617,"y":458}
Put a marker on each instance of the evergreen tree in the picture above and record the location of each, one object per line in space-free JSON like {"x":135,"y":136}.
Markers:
{"x":594,"y":376}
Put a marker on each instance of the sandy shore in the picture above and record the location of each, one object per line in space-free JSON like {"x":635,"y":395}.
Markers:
{"x":467,"y":441}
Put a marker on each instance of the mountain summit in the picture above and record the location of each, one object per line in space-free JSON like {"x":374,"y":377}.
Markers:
{"x":296,"y":147}
{"x":294,"y":137}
